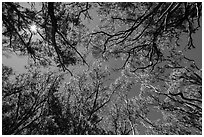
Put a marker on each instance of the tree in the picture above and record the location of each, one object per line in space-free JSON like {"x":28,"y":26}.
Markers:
{"x":143,"y":37}
{"x":86,"y":96}
{"x":58,"y":32}
{"x":34,"y":104}
{"x":148,"y":35}
{"x":24,"y":100}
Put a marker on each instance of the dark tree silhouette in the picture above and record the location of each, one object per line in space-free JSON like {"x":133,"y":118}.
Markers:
{"x":144,"y":37}
{"x":24,"y":100}
{"x":54,"y":31}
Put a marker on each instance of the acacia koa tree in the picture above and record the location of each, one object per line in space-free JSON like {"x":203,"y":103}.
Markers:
{"x":144,"y":37}
{"x":26,"y":99}
{"x":39,"y":103}
{"x":56,"y":38}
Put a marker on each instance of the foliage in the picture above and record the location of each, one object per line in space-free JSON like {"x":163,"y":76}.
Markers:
{"x":143,"y":37}
{"x":51,"y":41}
{"x":24,"y":100}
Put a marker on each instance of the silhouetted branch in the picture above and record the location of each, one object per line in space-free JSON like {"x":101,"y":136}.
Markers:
{"x":53,"y":32}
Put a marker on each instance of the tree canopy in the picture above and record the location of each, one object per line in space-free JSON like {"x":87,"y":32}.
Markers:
{"x":148,"y":41}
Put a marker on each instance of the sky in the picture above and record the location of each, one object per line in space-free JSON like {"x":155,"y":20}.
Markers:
{"x":18,"y":63}
{"x":196,"y":53}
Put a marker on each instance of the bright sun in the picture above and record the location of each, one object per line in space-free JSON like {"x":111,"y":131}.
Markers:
{"x":33,"y":28}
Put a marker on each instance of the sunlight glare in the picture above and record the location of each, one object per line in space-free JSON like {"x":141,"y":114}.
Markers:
{"x":33,"y":28}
